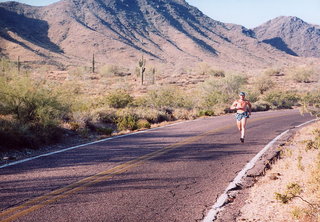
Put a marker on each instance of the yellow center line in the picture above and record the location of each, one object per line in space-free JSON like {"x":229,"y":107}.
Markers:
{"x":55,"y":195}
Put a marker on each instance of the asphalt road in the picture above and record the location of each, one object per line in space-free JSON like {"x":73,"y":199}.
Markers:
{"x":174,"y":173}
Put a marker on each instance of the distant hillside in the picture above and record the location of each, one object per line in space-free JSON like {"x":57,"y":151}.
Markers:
{"x":118,"y":32}
{"x":291,"y":35}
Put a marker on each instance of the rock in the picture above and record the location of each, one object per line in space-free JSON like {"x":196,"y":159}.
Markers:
{"x":9,"y":158}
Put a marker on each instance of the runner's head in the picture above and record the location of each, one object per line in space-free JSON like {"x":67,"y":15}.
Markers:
{"x":242,"y":94}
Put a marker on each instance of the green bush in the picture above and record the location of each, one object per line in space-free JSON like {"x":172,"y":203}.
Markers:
{"x":28,"y":102}
{"x":185,"y":114}
{"x":263,"y":84}
{"x":230,"y":85}
{"x":143,"y":124}
{"x":167,"y":97}
{"x":152,"y":115}
{"x":301,"y":74}
{"x":260,"y":106}
{"x":220,"y":92}
{"x":311,"y":103}
{"x":118,"y":99}
{"x":104,"y":130}
{"x":127,"y":122}
{"x":293,"y":190}
{"x":206,"y":113}
{"x":35,"y":110}
{"x":282,"y":100}
{"x":15,"y":135}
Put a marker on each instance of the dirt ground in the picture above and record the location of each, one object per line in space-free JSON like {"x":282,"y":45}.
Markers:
{"x":295,"y":166}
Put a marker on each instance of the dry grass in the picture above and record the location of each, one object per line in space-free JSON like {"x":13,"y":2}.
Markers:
{"x":297,"y":184}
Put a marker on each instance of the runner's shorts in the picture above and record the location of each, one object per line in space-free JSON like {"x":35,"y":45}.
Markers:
{"x":240,"y":116}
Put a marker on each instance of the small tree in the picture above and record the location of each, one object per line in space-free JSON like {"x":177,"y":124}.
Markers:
{"x":263,"y":84}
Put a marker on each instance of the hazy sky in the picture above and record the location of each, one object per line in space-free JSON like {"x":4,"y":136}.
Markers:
{"x":249,"y":13}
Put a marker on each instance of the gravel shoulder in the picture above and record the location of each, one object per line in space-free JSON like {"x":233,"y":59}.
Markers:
{"x":286,"y":163}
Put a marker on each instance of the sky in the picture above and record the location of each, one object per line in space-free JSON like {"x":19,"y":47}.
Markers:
{"x":249,"y":13}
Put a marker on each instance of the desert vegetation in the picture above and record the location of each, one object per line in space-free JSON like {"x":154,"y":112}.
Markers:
{"x":38,"y":109}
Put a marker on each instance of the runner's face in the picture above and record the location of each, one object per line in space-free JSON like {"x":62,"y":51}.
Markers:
{"x":241,"y":97}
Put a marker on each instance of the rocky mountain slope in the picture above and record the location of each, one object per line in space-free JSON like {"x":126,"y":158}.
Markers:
{"x":119,"y":31}
{"x":291,"y":35}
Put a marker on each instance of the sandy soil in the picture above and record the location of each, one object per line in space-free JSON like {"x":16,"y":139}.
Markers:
{"x":295,"y":166}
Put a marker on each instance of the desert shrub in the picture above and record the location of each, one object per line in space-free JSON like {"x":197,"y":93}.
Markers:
{"x":213,"y":98}
{"x":152,"y":115}
{"x":229,"y":85}
{"x":311,"y":103}
{"x":282,"y":100}
{"x":167,"y":97}
{"x":143,"y":124}
{"x":206,"y":113}
{"x":313,"y":144}
{"x":260,"y":106}
{"x":217,"y":73}
{"x":272,"y":72}
{"x":301,"y":74}
{"x":203,"y":68}
{"x":6,"y":66}
{"x":104,"y":130}
{"x":184,"y":114}
{"x":127,"y":122}
{"x":28,"y":102}
{"x":118,"y":99}
{"x":108,"y":70}
{"x":292,"y":191}
{"x":81,"y":119}
{"x":15,"y":135}
{"x":263,"y":84}
{"x":252,"y":95}
{"x":219,"y":92}
{"x":105,"y":115}
{"x":80,"y":72}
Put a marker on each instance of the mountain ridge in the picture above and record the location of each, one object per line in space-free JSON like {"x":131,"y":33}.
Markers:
{"x":292,"y":35}
{"x":174,"y":33}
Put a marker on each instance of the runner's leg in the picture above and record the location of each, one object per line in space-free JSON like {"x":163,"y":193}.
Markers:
{"x":243,"y":126}
{"x":239,"y":125}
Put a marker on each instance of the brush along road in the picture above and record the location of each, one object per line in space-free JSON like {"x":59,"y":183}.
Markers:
{"x":173,"y":173}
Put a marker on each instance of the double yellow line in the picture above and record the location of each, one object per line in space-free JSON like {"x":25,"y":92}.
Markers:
{"x":39,"y":202}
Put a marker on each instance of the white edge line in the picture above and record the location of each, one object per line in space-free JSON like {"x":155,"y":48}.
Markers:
{"x":211,"y":216}
{"x":86,"y":144}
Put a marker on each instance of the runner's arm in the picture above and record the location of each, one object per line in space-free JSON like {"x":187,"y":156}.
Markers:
{"x":234,"y":105}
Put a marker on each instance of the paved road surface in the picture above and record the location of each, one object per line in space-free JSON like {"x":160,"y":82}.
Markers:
{"x":174,"y":173}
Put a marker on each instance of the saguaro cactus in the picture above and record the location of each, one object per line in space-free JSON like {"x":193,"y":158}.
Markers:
{"x":19,"y":65}
{"x":142,"y":68}
{"x":93,"y":64}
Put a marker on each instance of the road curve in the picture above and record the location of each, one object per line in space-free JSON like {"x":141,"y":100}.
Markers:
{"x":173,"y":173}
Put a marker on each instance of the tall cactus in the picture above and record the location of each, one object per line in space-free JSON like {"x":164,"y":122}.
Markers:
{"x":142,"y":68}
{"x":93,"y":64}
{"x":19,"y":65}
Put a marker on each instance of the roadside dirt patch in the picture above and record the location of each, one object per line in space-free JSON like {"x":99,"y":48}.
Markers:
{"x":295,"y":166}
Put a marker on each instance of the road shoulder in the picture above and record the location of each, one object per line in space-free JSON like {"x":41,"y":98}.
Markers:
{"x":287,"y":162}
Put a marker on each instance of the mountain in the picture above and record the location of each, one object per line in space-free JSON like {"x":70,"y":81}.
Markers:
{"x":120,"y":31}
{"x":291,"y":35}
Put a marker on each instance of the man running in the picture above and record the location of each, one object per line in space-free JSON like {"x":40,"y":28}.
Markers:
{"x":243,"y":107}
